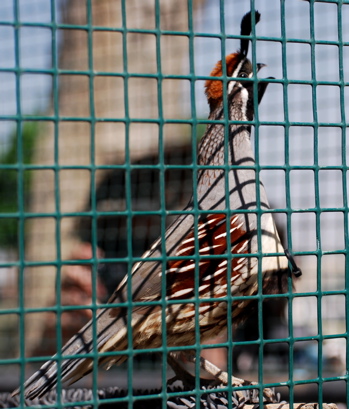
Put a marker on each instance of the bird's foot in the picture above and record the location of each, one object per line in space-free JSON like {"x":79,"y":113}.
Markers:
{"x":223,"y":377}
{"x":219,"y":378}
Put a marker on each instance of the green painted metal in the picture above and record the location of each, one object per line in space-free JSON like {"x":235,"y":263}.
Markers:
{"x":22,"y":215}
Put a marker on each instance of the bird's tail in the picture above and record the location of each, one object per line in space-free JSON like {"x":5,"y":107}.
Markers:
{"x":68,"y":368}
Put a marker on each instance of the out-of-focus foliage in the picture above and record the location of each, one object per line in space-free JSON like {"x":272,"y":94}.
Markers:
{"x":15,"y":182}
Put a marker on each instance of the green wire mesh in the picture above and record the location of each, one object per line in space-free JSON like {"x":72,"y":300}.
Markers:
{"x":116,"y":94}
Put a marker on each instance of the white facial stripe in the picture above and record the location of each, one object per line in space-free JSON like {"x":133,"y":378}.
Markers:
{"x":235,"y":73}
{"x":231,"y":86}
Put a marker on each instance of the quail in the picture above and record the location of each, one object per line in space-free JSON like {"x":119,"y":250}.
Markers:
{"x":219,"y":246}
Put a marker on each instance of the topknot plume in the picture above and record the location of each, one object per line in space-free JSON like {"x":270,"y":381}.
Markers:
{"x":214,"y":88}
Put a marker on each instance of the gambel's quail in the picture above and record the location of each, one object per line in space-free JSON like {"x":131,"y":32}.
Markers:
{"x":219,"y":246}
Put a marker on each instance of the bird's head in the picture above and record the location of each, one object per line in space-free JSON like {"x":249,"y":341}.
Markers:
{"x":239,"y":93}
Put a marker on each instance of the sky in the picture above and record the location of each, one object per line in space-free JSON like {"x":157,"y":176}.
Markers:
{"x":35,"y":53}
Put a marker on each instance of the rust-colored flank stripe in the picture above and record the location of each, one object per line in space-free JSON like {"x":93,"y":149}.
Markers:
{"x":212,"y":231}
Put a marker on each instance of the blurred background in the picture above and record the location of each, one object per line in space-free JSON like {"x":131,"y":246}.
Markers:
{"x":65,"y":190}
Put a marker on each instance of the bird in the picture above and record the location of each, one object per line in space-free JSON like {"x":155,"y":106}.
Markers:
{"x":218,"y":246}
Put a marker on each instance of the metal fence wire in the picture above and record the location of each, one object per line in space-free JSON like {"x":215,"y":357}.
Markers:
{"x":102,"y":105}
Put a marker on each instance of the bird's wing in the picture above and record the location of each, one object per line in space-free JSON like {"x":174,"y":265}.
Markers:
{"x":69,"y":368}
{"x":111,"y":323}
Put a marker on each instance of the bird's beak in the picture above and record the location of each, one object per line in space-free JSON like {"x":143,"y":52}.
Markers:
{"x":260,"y":66}
{"x":262,"y":86}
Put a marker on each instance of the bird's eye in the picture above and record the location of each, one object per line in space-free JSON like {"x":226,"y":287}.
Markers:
{"x":243,"y":75}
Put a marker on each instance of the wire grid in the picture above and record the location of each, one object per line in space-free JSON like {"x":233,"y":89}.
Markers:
{"x":285,"y":165}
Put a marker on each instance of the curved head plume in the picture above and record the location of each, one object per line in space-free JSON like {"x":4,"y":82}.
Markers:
{"x":233,"y":62}
{"x":246,"y":29}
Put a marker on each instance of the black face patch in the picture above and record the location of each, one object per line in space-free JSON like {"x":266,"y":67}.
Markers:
{"x":245,"y":71}
{"x":242,"y":107}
